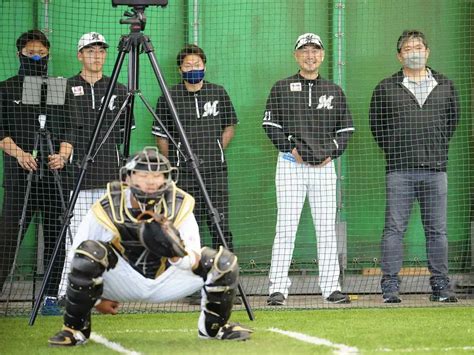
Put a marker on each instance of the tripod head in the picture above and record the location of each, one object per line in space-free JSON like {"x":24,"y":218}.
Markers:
{"x":136,"y":19}
{"x":161,"y":3}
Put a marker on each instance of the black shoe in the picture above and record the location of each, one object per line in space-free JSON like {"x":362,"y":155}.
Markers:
{"x":338,"y":297}
{"x":231,"y":331}
{"x":276,"y":299}
{"x":391,"y":297}
{"x":445,"y":295}
{"x":67,"y":337}
{"x":390,"y":289}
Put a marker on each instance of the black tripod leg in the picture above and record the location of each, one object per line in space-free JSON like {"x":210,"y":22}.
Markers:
{"x":157,"y":120}
{"x":21,"y":222}
{"x":148,"y":48}
{"x":133,"y":64}
{"x":80,"y":179}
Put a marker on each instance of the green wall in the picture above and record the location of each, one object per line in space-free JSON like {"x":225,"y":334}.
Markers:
{"x":249,"y":46}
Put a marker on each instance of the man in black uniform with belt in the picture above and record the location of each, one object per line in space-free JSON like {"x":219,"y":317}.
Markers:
{"x":308,"y":120}
{"x":85,"y":94}
{"x":208,"y":117}
{"x":19,"y":127}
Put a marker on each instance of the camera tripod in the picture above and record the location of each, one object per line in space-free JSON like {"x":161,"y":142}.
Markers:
{"x":41,"y":136}
{"x":133,"y":44}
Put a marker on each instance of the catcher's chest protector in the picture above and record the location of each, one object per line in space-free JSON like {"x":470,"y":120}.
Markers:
{"x":125,"y":222}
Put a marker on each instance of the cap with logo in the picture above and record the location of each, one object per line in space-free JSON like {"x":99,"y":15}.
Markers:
{"x":91,"y":38}
{"x":308,"y":38}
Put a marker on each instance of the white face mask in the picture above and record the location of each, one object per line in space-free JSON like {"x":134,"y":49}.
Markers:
{"x":415,"y":60}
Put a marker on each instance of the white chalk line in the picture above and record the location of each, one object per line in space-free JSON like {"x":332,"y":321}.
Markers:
{"x":153,"y":331}
{"x":339,"y":349}
{"x":111,"y":345}
{"x":428,"y":350}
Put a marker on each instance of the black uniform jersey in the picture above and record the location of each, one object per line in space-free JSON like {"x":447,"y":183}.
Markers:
{"x":311,"y":115}
{"x":204,"y":115}
{"x":84,"y":100}
{"x":111,"y":211}
{"x":20,"y":122}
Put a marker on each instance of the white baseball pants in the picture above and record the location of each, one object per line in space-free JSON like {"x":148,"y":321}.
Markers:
{"x":293,"y":183}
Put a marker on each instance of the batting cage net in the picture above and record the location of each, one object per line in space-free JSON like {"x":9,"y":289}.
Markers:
{"x":321,"y":131}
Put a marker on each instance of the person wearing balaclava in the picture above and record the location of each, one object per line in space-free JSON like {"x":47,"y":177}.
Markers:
{"x":208,"y":118}
{"x":413,"y":116}
{"x":19,"y":127}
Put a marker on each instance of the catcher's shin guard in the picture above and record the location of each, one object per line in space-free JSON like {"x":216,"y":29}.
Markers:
{"x":220,"y":271}
{"x":85,"y":286}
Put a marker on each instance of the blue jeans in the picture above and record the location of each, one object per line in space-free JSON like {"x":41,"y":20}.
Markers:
{"x":429,"y":188}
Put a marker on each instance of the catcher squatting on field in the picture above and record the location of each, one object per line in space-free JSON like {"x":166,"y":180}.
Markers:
{"x":140,"y":242}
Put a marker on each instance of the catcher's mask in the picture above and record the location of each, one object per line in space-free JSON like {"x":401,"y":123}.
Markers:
{"x":149,"y":160}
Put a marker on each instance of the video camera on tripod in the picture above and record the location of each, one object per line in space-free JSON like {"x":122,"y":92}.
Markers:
{"x":161,"y":3}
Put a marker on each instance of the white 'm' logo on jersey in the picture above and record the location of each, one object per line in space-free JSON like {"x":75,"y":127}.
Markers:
{"x":325,"y":102}
{"x":111,"y":102}
{"x":210,"y":108}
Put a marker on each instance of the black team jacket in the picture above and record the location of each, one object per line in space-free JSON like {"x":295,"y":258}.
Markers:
{"x":309,"y":115}
{"x":84,"y":101}
{"x":414,"y":137}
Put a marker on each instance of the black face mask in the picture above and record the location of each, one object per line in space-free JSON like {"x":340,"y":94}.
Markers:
{"x":34,"y":66}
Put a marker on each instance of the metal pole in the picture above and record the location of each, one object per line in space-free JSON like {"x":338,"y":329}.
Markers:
{"x":339,"y":64}
{"x":196,"y":22}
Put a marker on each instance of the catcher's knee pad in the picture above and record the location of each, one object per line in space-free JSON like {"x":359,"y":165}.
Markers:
{"x":90,"y":260}
{"x":221,"y":274}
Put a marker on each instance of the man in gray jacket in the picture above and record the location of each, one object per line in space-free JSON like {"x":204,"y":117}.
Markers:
{"x":413,"y":115}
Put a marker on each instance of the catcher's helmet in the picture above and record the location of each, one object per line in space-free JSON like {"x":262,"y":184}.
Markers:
{"x":149,"y":159}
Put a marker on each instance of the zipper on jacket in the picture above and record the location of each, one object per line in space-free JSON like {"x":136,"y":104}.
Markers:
{"x":93,"y":96}
{"x":197,"y":106}
{"x":412,"y":95}
{"x":310,"y":94}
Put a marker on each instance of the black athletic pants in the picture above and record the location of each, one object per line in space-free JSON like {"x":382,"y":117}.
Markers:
{"x":44,"y":198}
{"x":216,"y":186}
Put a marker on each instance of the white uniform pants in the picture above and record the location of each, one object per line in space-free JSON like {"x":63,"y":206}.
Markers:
{"x":124,"y":284}
{"x":293,"y":183}
{"x":85,"y":200}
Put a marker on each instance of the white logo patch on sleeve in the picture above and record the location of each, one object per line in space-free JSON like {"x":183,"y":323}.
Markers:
{"x":267,"y":116}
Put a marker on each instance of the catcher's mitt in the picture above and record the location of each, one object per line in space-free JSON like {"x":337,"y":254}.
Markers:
{"x":159,"y":235}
